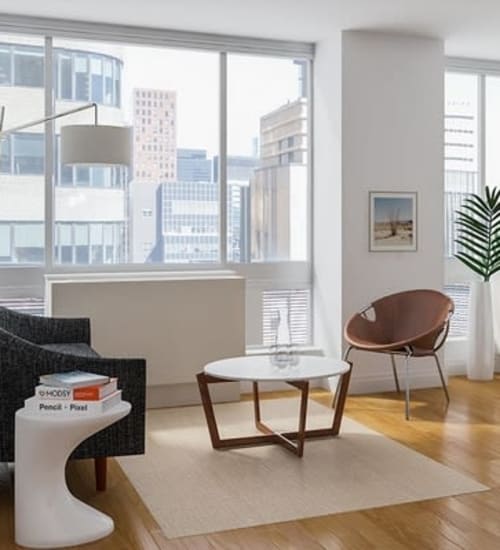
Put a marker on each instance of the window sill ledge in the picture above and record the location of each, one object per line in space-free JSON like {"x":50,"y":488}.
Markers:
{"x":302,"y":350}
{"x":141,"y":276}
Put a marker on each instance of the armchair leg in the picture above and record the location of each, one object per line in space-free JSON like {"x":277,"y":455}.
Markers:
{"x":441,"y":376}
{"x":100,"y":467}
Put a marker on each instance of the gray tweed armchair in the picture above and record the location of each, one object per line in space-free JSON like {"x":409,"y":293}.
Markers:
{"x":31,"y":346}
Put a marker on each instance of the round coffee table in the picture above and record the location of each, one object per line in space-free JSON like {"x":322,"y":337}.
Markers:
{"x":260,"y":369}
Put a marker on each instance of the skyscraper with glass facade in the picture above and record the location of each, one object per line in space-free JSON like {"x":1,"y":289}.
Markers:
{"x":190,"y":222}
{"x":193,"y":165}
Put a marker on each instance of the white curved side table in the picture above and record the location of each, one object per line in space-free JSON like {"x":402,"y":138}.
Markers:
{"x":47,"y":515}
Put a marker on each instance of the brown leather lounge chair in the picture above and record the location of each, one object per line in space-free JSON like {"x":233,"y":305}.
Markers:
{"x":414,"y":323}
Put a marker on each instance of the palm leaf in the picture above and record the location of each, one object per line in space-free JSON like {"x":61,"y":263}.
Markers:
{"x":480,"y":230}
{"x":478,"y":249}
{"x":495,"y":270}
{"x":479,"y":204}
{"x":478,"y":233}
{"x":477,"y":268}
{"x":475,"y":211}
{"x":471,"y":233}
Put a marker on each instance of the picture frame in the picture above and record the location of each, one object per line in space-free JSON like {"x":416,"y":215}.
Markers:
{"x":393,"y":221}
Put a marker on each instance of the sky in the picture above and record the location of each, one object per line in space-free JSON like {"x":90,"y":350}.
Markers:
{"x":256,"y":86}
{"x":400,"y":208}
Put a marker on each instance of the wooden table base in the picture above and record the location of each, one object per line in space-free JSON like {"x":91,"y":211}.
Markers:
{"x":293,"y":441}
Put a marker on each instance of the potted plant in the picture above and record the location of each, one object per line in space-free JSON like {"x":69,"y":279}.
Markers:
{"x":478,"y":239}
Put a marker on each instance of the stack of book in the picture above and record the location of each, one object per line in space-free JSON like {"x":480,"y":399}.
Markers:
{"x":75,"y":392}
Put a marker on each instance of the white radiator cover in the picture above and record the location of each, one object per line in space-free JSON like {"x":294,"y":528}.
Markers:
{"x":177,"y":322}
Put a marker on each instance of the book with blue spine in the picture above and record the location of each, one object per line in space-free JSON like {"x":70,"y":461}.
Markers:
{"x":73,"y":379}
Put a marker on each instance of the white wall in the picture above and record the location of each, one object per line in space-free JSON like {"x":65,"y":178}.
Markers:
{"x":327,"y":197}
{"x":391,"y":139}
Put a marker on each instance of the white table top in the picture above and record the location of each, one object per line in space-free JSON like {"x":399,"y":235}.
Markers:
{"x":258,"y":368}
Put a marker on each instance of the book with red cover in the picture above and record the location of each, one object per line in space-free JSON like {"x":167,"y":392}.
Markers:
{"x":89,"y":393}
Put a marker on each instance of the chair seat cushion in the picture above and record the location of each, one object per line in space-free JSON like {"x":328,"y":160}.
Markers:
{"x":83,"y":350}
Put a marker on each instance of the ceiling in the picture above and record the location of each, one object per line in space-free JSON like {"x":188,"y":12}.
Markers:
{"x":470,"y":28}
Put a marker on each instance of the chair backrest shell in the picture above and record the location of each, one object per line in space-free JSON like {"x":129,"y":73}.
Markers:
{"x":413,"y":318}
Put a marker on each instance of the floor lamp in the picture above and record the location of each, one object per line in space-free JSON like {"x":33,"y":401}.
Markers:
{"x":94,"y":144}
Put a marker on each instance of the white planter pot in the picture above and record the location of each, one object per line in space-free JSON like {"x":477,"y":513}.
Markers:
{"x":481,"y":354}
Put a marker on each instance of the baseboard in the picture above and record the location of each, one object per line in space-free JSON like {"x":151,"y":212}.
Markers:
{"x":179,"y":395}
{"x":456,"y":368}
{"x":246,"y":387}
{"x":459,"y":368}
{"x":383,"y":383}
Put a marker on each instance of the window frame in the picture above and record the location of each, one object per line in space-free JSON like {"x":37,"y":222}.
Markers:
{"x":260,"y":275}
{"x":455,"y":271}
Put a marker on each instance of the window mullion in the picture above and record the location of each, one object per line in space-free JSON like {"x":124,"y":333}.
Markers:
{"x":481,"y":131}
{"x":49,"y":154}
{"x":223,"y":158}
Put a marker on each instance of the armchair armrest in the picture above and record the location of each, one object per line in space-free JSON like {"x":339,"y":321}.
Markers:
{"x":45,"y":330}
{"x":21,"y":364}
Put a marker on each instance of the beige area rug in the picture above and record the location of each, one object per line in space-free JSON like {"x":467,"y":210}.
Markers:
{"x":192,"y":489}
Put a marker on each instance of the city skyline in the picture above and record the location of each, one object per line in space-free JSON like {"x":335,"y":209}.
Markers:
{"x":198,"y":119}
{"x":155,"y":214}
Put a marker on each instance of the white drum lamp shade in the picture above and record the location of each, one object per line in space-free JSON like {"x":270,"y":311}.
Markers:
{"x":96,"y":144}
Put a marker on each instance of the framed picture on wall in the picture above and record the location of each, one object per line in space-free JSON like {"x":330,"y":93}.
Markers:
{"x":393,"y":222}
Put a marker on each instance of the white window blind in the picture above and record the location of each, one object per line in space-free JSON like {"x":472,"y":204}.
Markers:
{"x":299,"y":303}
{"x":33,"y":306}
{"x":460,"y":294}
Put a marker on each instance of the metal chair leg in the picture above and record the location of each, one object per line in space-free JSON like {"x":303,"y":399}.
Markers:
{"x":407,"y":396}
{"x":395,"y":373}
{"x":443,"y":382}
{"x":347,"y":352}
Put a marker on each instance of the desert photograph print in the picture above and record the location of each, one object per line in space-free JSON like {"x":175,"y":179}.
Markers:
{"x":393,"y":221}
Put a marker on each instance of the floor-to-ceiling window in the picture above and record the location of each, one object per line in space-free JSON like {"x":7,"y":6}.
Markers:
{"x":472,"y":139}
{"x":22,"y":154}
{"x":220,"y":174}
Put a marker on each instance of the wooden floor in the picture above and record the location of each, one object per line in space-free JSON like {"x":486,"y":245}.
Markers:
{"x":465,"y":437}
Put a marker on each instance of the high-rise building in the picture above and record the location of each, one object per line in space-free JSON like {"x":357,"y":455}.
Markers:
{"x":90,"y":202}
{"x":193,"y":165}
{"x":190,"y":222}
{"x":239,"y":167}
{"x":155,"y":162}
{"x":303,"y":81}
{"x":460,"y":136}
{"x":283,"y":135}
{"x":145,"y":221}
{"x":240,"y":170}
{"x":279,"y":187}
{"x":461,"y":162}
{"x":155,"y":135}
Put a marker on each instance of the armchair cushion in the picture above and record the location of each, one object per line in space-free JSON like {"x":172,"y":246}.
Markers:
{"x":82,"y":350}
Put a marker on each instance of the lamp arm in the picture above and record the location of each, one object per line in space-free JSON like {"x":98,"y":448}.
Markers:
{"x":45,"y":119}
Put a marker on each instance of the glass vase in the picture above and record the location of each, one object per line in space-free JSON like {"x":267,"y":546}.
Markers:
{"x":283,"y":351}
